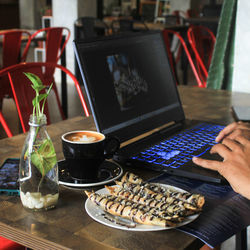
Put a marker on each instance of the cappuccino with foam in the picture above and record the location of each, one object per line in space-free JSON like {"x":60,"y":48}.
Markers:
{"x":84,"y":136}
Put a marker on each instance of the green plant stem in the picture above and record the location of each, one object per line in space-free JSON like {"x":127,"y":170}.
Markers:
{"x":38,"y":110}
{"x":40,"y":182}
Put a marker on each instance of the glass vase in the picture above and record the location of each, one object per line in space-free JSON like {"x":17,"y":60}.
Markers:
{"x":38,"y":171}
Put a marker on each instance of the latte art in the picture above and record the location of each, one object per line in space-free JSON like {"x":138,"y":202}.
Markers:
{"x":84,"y":137}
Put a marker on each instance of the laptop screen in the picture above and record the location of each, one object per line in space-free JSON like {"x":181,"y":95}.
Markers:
{"x":129,"y":83}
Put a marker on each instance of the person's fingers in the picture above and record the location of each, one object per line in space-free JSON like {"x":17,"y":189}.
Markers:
{"x":220,"y":149}
{"x":210,"y":164}
{"x":227,"y":130}
{"x":242,"y":140}
{"x":234,"y":134}
{"x":245,"y":124}
{"x":233,"y":145}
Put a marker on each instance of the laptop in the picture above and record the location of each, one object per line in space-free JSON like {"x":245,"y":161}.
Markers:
{"x":133,"y":96}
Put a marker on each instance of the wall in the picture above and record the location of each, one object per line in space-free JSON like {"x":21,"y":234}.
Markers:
{"x":180,"y":5}
{"x":241,"y":73}
{"x":30,"y":12}
{"x":65,"y":12}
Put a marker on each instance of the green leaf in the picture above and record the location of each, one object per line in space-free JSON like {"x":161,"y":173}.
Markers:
{"x":39,"y":98}
{"x":44,"y":158}
{"x":50,"y":87}
{"x":34,"y":79}
{"x":38,"y":88}
{"x":34,"y":102}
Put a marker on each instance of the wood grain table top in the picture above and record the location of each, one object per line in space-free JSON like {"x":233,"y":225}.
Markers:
{"x":68,"y":226}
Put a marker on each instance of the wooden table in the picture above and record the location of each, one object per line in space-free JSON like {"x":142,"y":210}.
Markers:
{"x":68,"y":226}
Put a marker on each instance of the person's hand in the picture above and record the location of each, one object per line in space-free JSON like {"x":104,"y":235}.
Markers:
{"x":233,"y":130}
{"x":236,"y":165}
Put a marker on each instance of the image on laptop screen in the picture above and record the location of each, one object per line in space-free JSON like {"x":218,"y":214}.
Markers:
{"x":130,"y":88}
{"x":129,"y":83}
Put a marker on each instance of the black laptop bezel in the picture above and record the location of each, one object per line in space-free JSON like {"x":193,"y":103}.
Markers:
{"x":140,"y":127}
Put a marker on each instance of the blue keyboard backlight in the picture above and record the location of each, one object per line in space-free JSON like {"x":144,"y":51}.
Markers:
{"x":179,"y":149}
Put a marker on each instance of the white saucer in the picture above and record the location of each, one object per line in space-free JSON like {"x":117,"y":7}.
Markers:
{"x":109,"y":171}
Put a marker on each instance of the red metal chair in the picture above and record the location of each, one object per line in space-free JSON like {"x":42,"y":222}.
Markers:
{"x":202,"y":42}
{"x":11,"y":46}
{"x":167,"y":34}
{"x":6,"y":244}
{"x":23,"y":93}
{"x":5,"y":125}
{"x":53,"y":46}
{"x":12,"y":53}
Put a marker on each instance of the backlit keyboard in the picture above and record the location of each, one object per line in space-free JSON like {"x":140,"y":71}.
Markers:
{"x":179,"y":149}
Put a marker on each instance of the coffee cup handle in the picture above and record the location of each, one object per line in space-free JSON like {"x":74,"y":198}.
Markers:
{"x":112,"y":144}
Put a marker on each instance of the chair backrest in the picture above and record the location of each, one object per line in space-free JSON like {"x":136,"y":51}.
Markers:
{"x":54,"y":44}
{"x":12,"y":41}
{"x":202,"y":40}
{"x":166,"y":35}
{"x":24,"y":94}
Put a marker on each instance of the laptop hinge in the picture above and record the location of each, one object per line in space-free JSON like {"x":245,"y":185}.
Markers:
{"x":167,"y":129}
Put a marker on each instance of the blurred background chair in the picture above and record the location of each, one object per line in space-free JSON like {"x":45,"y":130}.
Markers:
{"x":90,"y":27}
{"x":211,"y":10}
{"x":85,"y":28}
{"x":128,"y":25}
{"x":202,"y":41}
{"x":54,"y":40}
{"x":168,"y":36}
{"x":174,"y":19}
{"x":47,"y":22}
{"x":14,"y":48}
{"x":23,"y":92}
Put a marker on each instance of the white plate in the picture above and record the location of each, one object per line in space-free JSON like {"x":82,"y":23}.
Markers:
{"x":96,"y":213}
